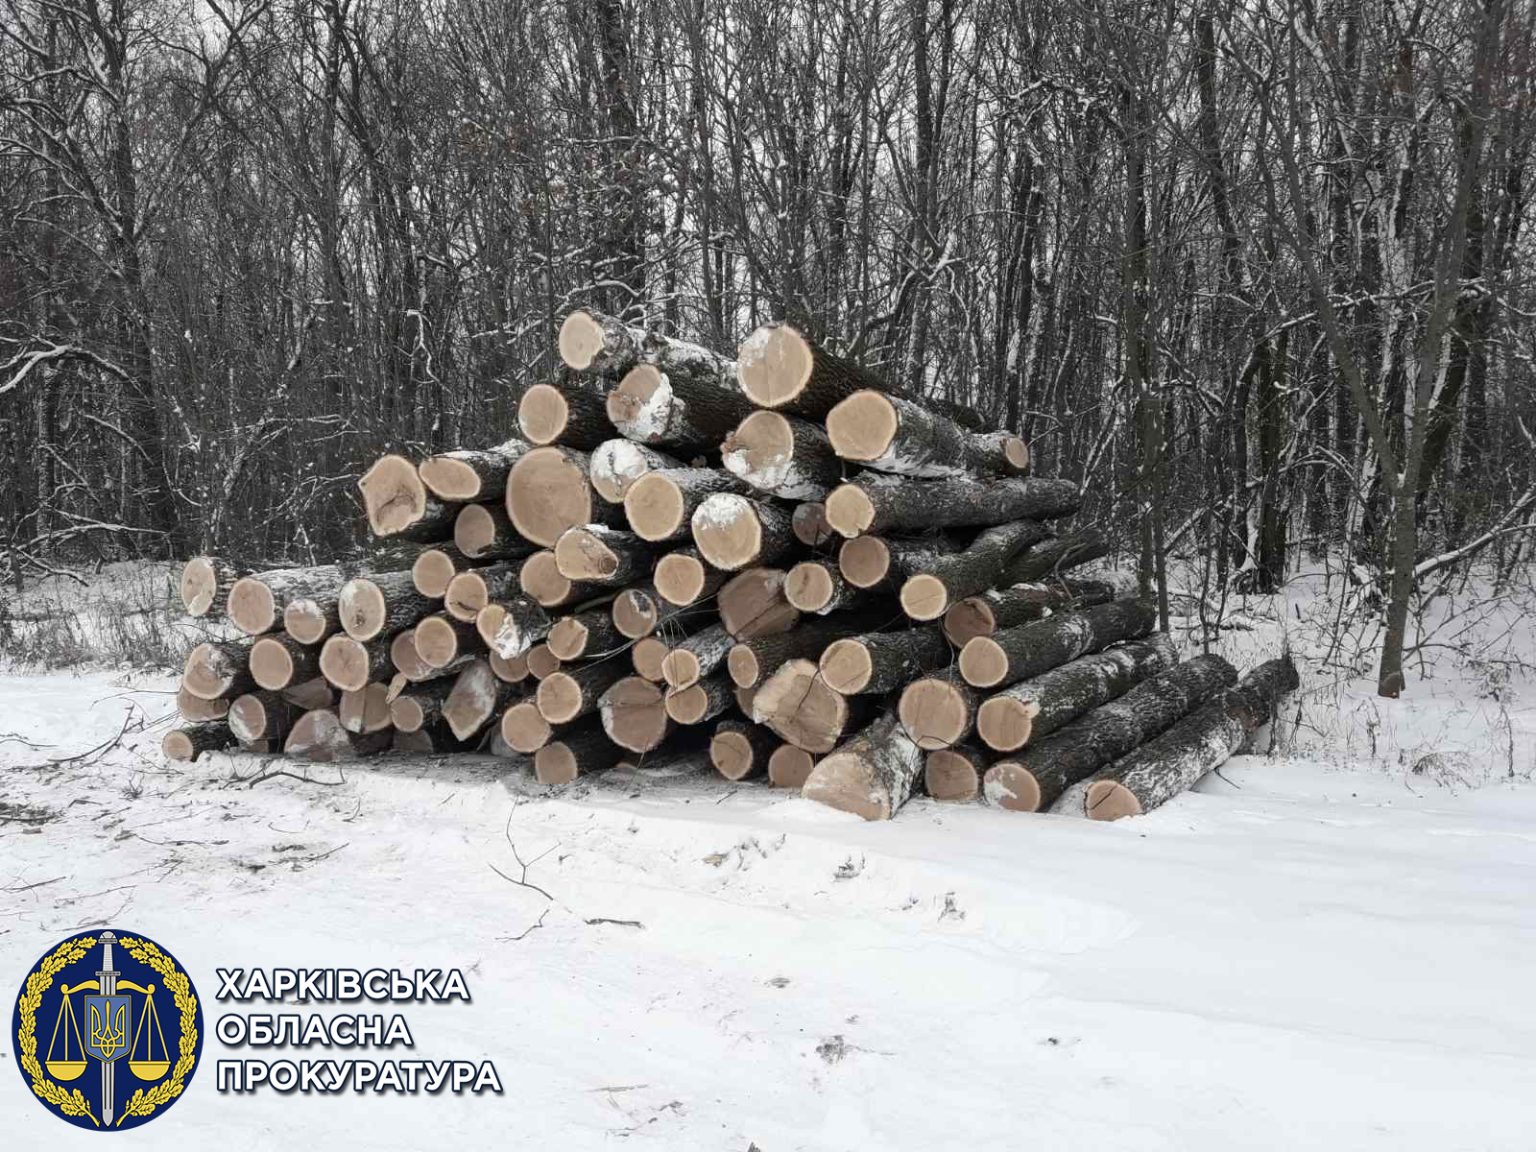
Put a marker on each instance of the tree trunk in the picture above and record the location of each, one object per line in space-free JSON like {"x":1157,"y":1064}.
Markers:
{"x":871,"y":775}
{"x":790,"y":767}
{"x":740,"y":750}
{"x":205,"y":584}
{"x":939,"y":710}
{"x":318,"y":736}
{"x":441,"y":639}
{"x":676,"y":409}
{"x":585,"y":635}
{"x":573,"y":413}
{"x":784,"y":457}
{"x":365,"y":710}
{"x":889,"y":434}
{"x":261,"y":716}
{"x":604,"y":557}
{"x":751,"y":661}
{"x":472,"y":475}
{"x":869,"y":561}
{"x":575,"y":754}
{"x":192,"y":740}
{"x":473,"y":589}
{"x":869,"y":506}
{"x":1030,"y":649}
{"x":928,"y":595}
{"x":592,"y":342}
{"x":696,"y":657}
{"x":733,"y":532}
{"x":1052,"y":557}
{"x":542,"y":583}
{"x":881,"y":662}
{"x":256,"y":603}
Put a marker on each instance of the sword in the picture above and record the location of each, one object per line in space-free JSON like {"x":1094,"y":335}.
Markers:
{"x":108,"y":977}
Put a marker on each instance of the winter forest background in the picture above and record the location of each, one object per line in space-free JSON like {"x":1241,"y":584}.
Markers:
{"x":1256,"y":272}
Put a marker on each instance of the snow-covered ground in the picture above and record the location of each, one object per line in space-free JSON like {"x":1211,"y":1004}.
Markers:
{"x":1298,"y":954}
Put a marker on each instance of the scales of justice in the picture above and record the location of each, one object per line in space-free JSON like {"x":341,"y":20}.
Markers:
{"x":110,"y":1018}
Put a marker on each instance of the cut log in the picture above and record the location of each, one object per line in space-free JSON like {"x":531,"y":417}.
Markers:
{"x":310,"y":694}
{"x":205,"y":584}
{"x":407,"y":660}
{"x":1018,"y":653}
{"x":790,"y":767}
{"x":218,"y":669}
{"x":782,"y":456}
{"x":617,"y":464}
{"x":313,"y":618}
{"x":398,"y":503}
{"x":513,"y":671}
{"x":524,"y":728}
{"x":1001,"y":608}
{"x":939,"y":710}
{"x":744,"y":698}
{"x":573,"y":413}
{"x":277,"y":662}
{"x":576,"y":689}
{"x":878,"y":505}
{"x":634,"y":713}
{"x":799,"y":705}
{"x":660,"y":505}
{"x":781,"y":367}
{"x":818,"y":587}
{"x":1038,"y":706}
{"x":256,"y":602}
{"x":752,"y":661}
{"x":603,"y":557}
{"x":542,"y":663}
{"x":432,"y":739}
{"x":870,"y":561}
{"x":1163,"y":767}
{"x":576,"y":754}
{"x":511,"y":627}
{"x":318,"y":736}
{"x":676,"y":408}
{"x":733,"y":532}
{"x":740,"y":750}
{"x":871,"y":775}
{"x":890,"y":434}
{"x":476,"y":696}
{"x":261,"y":716}
{"x":195,"y":710}
{"x":1033,"y":779}
{"x":192,"y":740}
{"x":682,"y":578}
{"x":380,"y":605}
{"x":752,"y":603}
{"x":484,"y":532}
{"x":434,"y":569}
{"x":440,"y":639}
{"x":928,"y":595}
{"x":635,"y":612}
{"x":809,"y":521}
{"x":471,"y":475}
{"x":696,"y":657}
{"x":647,"y":655}
{"x":420,"y":707}
{"x":954,"y":774}
{"x":1053,"y":557}
{"x":592,"y":342}
{"x":472,"y":590}
{"x":541,"y":582}
{"x":350,"y":664}
{"x":548,"y":491}
{"x":585,"y":635}
{"x":701,"y":701}
{"x":880,"y":662}
{"x":366,"y":710}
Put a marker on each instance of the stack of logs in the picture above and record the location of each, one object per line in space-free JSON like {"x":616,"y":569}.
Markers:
{"x":776,"y":566}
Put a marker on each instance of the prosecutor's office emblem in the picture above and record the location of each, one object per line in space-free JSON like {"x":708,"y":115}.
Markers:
{"x":107,"y":1030}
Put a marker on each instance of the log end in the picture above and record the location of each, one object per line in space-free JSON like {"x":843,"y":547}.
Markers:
{"x":524,"y":728}
{"x":688,"y":705}
{"x":742,"y":663}
{"x":680,"y":668}
{"x":1016,"y":454}
{"x":727,"y":532}
{"x":366,"y":710}
{"x":951,"y":775}
{"x":406,"y":659}
{"x":774,"y":365}
{"x":252,"y":607}
{"x":542,"y":663}
{"x":640,"y":404}
{"x":247,"y":719}
{"x":548,"y":492}
{"x":580,"y":340}
{"x":983,"y":662}
{"x":846,"y":666}
{"x":513,"y":671}
{"x":1110,"y":800}
{"x":466,"y":595}
{"x":864,"y":561}
{"x":474,"y":532}
{"x":178,"y":745}
{"x":655,"y":507}
{"x":634,"y":714}
{"x":850,"y":511}
{"x":432,"y":572}
{"x":271,"y":665}
{"x":361,"y":608}
{"x":581,"y":554}
{"x":635,"y":613}
{"x":449,"y":479}
{"x":809,"y":586}
{"x":966,"y":619}
{"x":809,"y":524}
{"x":344,"y":662}
{"x":393,"y":495}
{"x":555,"y":764}
{"x":680,"y":578}
{"x":761,"y":450}
{"x":567,"y":638}
{"x":543,"y":414}
{"x":616,"y":465}
{"x":788,"y":766}
{"x":407,"y":714}
{"x":1005,"y":724}
{"x":924,"y":597}
{"x":934,"y":713}
{"x":559,"y":698}
{"x":732,"y":754}
{"x":647,"y":654}
{"x":801,"y":707}
{"x":541,"y":580}
{"x":208,"y":672}
{"x":199,"y":586}
{"x":1008,"y":784}
{"x":306,"y":621}
{"x":436,"y":642}
{"x":863,"y":426}
{"x":846,"y":781}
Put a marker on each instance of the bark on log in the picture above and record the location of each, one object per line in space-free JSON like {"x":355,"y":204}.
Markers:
{"x":683,"y":578}
{"x":195,"y":710}
{"x":1033,"y":779}
{"x":511,"y":627}
{"x":420,"y":707}
{"x":1053,"y":557}
{"x":398,"y":503}
{"x":476,"y":696}
{"x":576,"y":754}
{"x":660,"y":505}
{"x":701,"y":701}
{"x":549,"y":491}
{"x":603,"y":557}
{"x":799,"y":705}
{"x":752,"y":603}
{"x":634,"y":714}
{"x":617,"y":464}
{"x":433,"y":739}
{"x":472,"y":590}
{"x":318,"y":736}
{"x":471,"y":475}
{"x":939,"y":710}
{"x":739,"y":750}
{"x":593,"y":342}
{"x":880,"y":662}
{"x":573,"y":412}
{"x":261,"y":715}
{"x":872,"y":505}
{"x":890,"y":434}
{"x":753,"y":660}
{"x":256,"y":603}
{"x":676,"y":409}
{"x":696,"y":657}
{"x":441,"y":639}
{"x":1001,"y":608}
{"x":928,"y":595}
{"x":205,"y":584}
{"x":1163,"y":767}
{"x":1018,"y":653}
{"x":575,"y":689}
{"x":1040,"y":705}
{"x":733,"y":532}
{"x":818,"y":587}
{"x":365,"y":710}
{"x":789,"y":767}
{"x":218,"y":669}
{"x":484,"y":532}
{"x":350,"y":664}
{"x":810,"y":523}
{"x":954,"y":775}
{"x":782,"y":456}
{"x":871,"y":775}
{"x":781,"y":367}
{"x":380,"y":605}
{"x":542,"y":583}
{"x":870,"y":561}
{"x":585,"y":635}
{"x":190,"y":741}
{"x":277,"y":662}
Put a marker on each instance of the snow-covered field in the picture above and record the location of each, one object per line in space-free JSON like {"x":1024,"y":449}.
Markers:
{"x":1296,"y":955}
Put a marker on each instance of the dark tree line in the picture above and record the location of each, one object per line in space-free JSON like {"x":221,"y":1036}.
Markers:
{"x":1255,"y":272}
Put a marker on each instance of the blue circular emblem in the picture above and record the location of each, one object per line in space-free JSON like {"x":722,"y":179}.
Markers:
{"x":108,"y":1030}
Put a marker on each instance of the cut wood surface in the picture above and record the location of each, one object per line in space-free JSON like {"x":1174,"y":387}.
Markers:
{"x":398,"y":503}
{"x":1038,"y":706}
{"x":476,"y":696}
{"x":880,"y":662}
{"x":484,"y":532}
{"x":801,"y":708}
{"x":788,"y":766}
{"x":511,"y":627}
{"x":890,"y":434}
{"x":818,"y":587}
{"x":591,"y":341}
{"x":541,"y":582}
{"x":809,"y":520}
{"x":647,"y":655}
{"x":616,"y":465}
{"x":870,"y":561}
{"x":313,"y":618}
{"x":256,"y":602}
{"x":939,"y":710}
{"x":1016,"y":654}
{"x":734,"y":532}
{"x":954,"y":774}
{"x":696,"y":656}
{"x":196,"y":710}
{"x":218,"y":669}
{"x":542,"y":663}
{"x":549,"y":491}
{"x":1033,"y":779}
{"x":751,"y":661}
{"x":318,"y":735}
{"x":277,"y":662}
{"x":871,"y":775}
{"x":190,"y":741}
{"x":420,"y":706}
{"x":350,"y":664}
{"x":513,"y":670}
{"x":263,"y":715}
{"x":573,"y":755}
{"x":752,"y":603}
{"x":586,"y":634}
{"x":524,"y":727}
{"x":205,"y":583}
{"x":1000,"y":608}
{"x":604,"y":557}
{"x":473,"y":589}
{"x":782,"y":456}
{"x":365,"y":710}
{"x":740,"y":750}
{"x":676,"y":408}
{"x":434,"y":569}
{"x":683,"y":578}
{"x":380,"y":605}
{"x":634,"y":714}
{"x":660,"y":504}
{"x":440,"y":639}
{"x":572,"y":412}
{"x":471,"y":474}
{"x":929,"y":594}
{"x":701,"y":701}
{"x":574,"y":690}
{"x":1163,"y":767}
{"x":875,"y":505}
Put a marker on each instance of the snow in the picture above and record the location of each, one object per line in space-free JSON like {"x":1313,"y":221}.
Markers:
{"x":1295,"y":954}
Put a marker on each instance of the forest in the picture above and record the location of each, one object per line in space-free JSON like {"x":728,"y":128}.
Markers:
{"x":1253,"y":272}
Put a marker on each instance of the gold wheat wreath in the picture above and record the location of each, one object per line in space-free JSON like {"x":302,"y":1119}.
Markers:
{"x":141,"y":1103}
